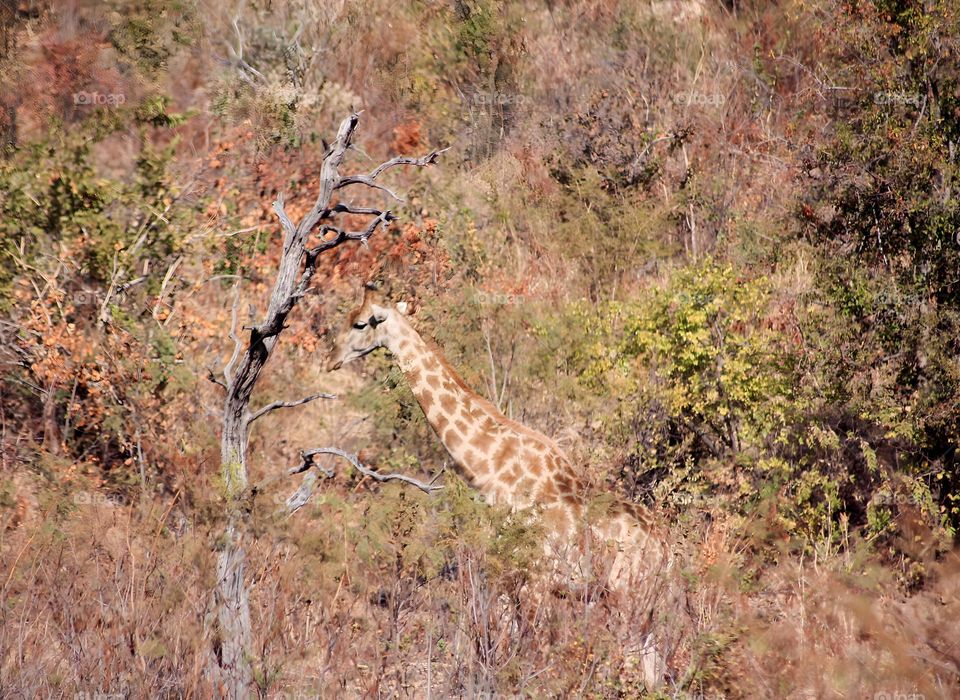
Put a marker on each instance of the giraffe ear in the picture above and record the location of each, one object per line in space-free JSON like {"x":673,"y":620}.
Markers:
{"x":371,"y":293}
{"x":404,"y":308}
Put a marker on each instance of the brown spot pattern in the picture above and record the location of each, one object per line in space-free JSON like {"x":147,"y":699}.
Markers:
{"x":482,"y":441}
{"x":548,"y":491}
{"x":451,"y":439}
{"x":426,"y":398}
{"x":448,"y":403}
{"x":506,"y":451}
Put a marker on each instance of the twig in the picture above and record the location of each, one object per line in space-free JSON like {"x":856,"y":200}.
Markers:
{"x":493,"y":369}
{"x":237,"y":55}
{"x":163,"y":287}
{"x":123,"y":288}
{"x":307,"y":462}
{"x":213,"y":378}
{"x":423,"y":161}
{"x":654,"y":142}
{"x":288,"y":404}
{"x":104,"y":315}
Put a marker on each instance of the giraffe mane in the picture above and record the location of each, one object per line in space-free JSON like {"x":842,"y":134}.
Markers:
{"x":486,"y":405}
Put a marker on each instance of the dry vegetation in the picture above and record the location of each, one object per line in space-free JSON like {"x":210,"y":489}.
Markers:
{"x":711,"y":247}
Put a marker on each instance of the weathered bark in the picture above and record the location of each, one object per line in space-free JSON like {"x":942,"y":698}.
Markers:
{"x":231,"y":601}
{"x":233,"y":616}
{"x":297,"y":266}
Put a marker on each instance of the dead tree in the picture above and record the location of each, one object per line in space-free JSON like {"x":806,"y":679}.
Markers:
{"x":297,"y":267}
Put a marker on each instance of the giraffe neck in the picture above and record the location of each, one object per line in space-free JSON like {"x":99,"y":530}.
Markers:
{"x":450,"y":408}
{"x":507,"y":462}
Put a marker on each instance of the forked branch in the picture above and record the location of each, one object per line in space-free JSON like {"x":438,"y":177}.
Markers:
{"x":370,"y":179}
{"x":361,"y":236}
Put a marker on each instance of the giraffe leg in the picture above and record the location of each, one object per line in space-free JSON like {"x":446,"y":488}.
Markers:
{"x":640,"y":580}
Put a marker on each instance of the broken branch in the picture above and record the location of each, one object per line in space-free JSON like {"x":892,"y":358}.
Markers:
{"x":307,"y":462}
{"x":423,"y":161}
{"x":213,"y":378}
{"x":348,"y":209}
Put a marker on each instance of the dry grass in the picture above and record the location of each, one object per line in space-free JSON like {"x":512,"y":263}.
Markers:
{"x":352,"y":598}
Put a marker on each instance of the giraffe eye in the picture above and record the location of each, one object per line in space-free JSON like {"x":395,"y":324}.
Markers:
{"x":360,"y":326}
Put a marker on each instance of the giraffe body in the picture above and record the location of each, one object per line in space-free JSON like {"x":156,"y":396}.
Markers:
{"x":507,"y":462}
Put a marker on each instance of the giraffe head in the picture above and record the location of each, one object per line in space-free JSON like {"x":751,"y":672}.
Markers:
{"x":371,"y":325}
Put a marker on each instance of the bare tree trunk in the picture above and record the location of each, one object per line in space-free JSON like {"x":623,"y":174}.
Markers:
{"x":297,"y":265}
{"x":233,"y":616}
{"x":230,"y":596}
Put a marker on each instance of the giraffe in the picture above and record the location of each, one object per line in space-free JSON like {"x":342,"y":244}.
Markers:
{"x":505,"y":461}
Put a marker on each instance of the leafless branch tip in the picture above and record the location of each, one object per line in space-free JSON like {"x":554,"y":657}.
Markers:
{"x":288,"y":404}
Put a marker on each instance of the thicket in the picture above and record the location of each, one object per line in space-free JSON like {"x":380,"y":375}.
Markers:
{"x":715,"y":254}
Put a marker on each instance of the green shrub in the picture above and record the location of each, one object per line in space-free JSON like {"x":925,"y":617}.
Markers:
{"x":710,"y":404}
{"x":697,"y":376}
